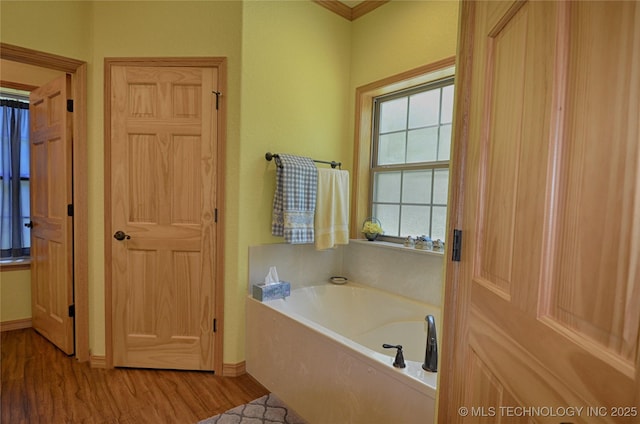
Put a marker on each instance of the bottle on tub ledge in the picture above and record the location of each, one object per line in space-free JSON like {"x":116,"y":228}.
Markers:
{"x":438,"y":245}
{"x":409,"y":242}
{"x":424,"y":243}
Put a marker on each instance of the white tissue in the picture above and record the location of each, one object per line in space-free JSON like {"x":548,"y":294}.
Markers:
{"x":272,"y":277}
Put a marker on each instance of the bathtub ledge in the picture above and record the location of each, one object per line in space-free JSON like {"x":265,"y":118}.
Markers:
{"x":397,"y":247}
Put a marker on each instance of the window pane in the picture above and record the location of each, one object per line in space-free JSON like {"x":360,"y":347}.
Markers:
{"x":389,"y":217}
{"x":5,"y":236}
{"x":447,"y":104}
{"x":438,"y":223}
{"x":24,"y":145}
{"x":26,"y":234}
{"x":424,"y":109}
{"x":444,"y":146}
{"x":386,"y":187}
{"x":415,"y":221}
{"x":440,"y":186}
{"x":391,"y":149}
{"x":393,"y":115}
{"x":416,"y":187}
{"x":24,"y":198}
{"x":422,"y":145}
{"x":409,"y":179}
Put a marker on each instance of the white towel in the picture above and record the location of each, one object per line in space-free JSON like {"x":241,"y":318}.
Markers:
{"x":332,"y":208}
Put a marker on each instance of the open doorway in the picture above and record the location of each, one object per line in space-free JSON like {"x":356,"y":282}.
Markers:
{"x":77,"y":73}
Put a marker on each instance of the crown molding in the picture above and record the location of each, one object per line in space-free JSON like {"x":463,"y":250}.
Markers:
{"x":351,"y":13}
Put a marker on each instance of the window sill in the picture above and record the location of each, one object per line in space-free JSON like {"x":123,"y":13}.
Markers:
{"x":15,"y":264}
{"x":399,"y":247}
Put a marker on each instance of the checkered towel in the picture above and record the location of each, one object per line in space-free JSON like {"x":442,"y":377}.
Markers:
{"x":294,"y":202}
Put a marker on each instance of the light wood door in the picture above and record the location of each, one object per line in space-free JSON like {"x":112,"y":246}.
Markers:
{"x":52,"y":225}
{"x":544,"y":306}
{"x":163,"y":191}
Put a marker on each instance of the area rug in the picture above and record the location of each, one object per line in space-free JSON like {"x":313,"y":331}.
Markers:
{"x":265,"y":410}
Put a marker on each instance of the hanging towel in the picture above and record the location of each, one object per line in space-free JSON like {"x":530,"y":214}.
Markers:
{"x":332,"y":208}
{"x":294,"y":202}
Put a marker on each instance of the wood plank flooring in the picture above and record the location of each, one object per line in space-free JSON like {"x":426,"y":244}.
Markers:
{"x":40,"y":384}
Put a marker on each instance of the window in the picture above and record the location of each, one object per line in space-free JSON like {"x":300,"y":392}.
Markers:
{"x":411,"y":144}
{"x":14,"y":176}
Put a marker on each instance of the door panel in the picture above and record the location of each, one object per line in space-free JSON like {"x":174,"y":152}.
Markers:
{"x":547,"y":295}
{"x":598,"y":180}
{"x":51,"y":192}
{"x":163,"y":126}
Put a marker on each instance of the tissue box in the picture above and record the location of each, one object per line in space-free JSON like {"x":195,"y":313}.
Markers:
{"x":277,"y":290}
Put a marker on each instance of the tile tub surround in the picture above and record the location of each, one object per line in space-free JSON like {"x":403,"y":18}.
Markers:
{"x":331,"y":366}
{"x":404,"y":271}
{"x":416,"y":274}
{"x":300,"y":264}
{"x":328,"y":378}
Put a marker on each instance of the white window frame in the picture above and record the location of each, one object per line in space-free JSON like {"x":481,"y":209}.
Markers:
{"x":377,"y":168}
{"x":363,"y":129}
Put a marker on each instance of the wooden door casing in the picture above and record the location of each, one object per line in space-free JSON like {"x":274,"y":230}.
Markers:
{"x":544,"y":308}
{"x":163,"y":195}
{"x":78,"y":71}
{"x":52,"y":230}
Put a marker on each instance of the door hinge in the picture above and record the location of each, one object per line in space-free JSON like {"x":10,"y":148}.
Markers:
{"x":215,"y":215}
{"x":72,"y":310}
{"x":69,"y":210}
{"x":457,"y":245}
{"x":215,"y":325}
{"x":69,"y":105}
{"x":218,"y":94}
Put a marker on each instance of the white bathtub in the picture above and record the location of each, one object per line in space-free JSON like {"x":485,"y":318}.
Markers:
{"x":320,"y":350}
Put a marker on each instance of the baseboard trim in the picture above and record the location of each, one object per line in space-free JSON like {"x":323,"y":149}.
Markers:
{"x":98,"y":361}
{"x":16,"y":324}
{"x":234,"y":370}
{"x":228,"y":370}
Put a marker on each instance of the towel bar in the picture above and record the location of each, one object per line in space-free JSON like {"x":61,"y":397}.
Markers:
{"x":269,"y":156}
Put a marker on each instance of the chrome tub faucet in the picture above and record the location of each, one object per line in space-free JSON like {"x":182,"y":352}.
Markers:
{"x":431,"y":351}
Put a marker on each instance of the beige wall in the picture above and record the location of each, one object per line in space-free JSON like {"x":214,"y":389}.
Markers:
{"x":402,"y":35}
{"x":15,"y":295}
{"x":292,"y":68}
{"x":295,"y":68}
{"x":59,"y":27}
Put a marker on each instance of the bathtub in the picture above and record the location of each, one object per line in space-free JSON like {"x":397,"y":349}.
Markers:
{"x":320,"y":351}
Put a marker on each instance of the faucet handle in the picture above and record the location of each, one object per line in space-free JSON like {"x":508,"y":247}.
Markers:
{"x":399,"y":361}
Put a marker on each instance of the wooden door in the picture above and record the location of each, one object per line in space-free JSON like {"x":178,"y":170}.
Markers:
{"x":544,"y":307}
{"x":52,"y":223}
{"x":163,"y":194}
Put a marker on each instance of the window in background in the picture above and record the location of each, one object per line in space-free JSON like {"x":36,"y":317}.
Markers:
{"x":410,"y":160}
{"x":15,"y":239}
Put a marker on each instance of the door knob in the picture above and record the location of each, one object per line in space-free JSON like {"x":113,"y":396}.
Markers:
{"x":29,"y":224}
{"x":121,"y":235}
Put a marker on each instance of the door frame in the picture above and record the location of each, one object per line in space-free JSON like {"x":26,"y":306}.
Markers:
{"x":455,"y":293}
{"x":78,"y":71}
{"x":220,"y":63}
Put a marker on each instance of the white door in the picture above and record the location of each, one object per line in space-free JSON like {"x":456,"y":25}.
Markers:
{"x":544,"y":307}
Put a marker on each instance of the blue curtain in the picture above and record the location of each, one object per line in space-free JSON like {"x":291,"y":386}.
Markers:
{"x":14,"y":179}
